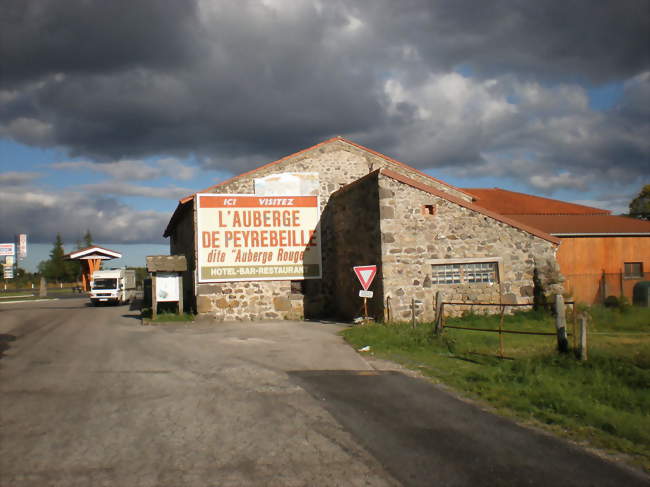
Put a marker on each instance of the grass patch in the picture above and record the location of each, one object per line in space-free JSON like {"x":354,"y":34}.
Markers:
{"x":166,"y":316}
{"x":22,"y":297}
{"x":604,"y":401}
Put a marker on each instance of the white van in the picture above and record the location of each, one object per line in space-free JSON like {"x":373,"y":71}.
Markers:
{"x":114,"y":286}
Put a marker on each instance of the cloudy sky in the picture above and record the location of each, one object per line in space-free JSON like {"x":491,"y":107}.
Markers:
{"x":112,"y":110}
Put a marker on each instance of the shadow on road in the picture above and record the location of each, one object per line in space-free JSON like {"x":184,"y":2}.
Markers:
{"x":5,"y":340}
{"x":425,"y":436}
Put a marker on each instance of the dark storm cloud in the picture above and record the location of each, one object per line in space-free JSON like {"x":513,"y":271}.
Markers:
{"x":43,"y":37}
{"x":241,"y":82}
{"x":581,"y":39}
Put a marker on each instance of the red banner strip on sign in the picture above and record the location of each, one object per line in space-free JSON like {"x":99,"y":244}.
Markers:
{"x":258,"y":201}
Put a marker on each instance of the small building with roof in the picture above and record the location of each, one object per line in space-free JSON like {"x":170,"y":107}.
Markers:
{"x":600,"y":255}
{"x":280,"y":241}
{"x":91,"y":260}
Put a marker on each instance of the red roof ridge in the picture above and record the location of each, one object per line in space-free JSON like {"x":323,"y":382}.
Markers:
{"x":188,"y":198}
{"x":470,"y":206}
{"x":316,"y":146}
{"x":410,"y":168}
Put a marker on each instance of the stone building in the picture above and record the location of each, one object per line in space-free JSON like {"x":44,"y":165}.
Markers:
{"x":423,"y":234}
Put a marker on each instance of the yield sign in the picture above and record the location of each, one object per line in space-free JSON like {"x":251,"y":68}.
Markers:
{"x":365,"y":273}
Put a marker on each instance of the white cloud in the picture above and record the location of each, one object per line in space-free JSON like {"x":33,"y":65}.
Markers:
{"x":117,"y":188}
{"x":30,"y":131}
{"x":16,"y":178}
{"x":43,"y":214}
{"x":129,"y":170}
{"x":562,"y":180}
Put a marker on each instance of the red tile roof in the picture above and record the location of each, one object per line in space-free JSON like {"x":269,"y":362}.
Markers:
{"x":584,"y":225}
{"x":512,"y":203}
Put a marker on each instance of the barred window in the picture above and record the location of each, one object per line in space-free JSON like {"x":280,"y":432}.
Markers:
{"x":633,"y":269}
{"x":464,"y":273}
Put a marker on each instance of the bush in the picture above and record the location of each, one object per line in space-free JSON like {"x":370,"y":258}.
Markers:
{"x":614,"y":302}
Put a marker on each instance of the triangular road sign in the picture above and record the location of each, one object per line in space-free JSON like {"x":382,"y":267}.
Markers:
{"x":366,"y":274}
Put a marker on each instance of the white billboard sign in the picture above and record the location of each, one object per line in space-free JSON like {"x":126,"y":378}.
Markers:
{"x":7,"y":249}
{"x":255,"y":238}
{"x":22,"y":245}
{"x":294,"y":183}
{"x":167,"y":286}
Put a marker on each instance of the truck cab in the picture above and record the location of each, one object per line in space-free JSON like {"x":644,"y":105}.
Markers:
{"x":115,"y":286}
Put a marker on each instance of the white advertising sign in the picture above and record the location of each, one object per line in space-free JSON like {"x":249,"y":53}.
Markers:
{"x":7,"y":249}
{"x":22,"y":245}
{"x":167,"y":286}
{"x":255,"y":238}
{"x":9,"y":260}
{"x":295,"y":183}
{"x":8,"y":272}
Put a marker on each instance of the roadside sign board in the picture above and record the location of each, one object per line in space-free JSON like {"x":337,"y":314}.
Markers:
{"x":7,"y":249}
{"x":22,"y":245}
{"x":365,"y":274}
{"x":167,"y":286}
{"x":257,"y":238}
{"x":365,"y":294}
{"x":8,"y":272}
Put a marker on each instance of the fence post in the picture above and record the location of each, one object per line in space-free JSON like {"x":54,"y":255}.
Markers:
{"x":560,"y":324}
{"x":583,"y":337}
{"x":503,"y":309}
{"x":413,"y":313}
{"x":439,"y":311}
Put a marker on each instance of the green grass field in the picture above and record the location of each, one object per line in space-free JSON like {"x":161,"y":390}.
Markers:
{"x":604,"y":401}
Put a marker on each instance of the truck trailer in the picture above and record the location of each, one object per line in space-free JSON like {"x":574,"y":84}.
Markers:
{"x":114,"y":286}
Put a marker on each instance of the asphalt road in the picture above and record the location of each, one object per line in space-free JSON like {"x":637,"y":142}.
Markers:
{"x":88,"y":396}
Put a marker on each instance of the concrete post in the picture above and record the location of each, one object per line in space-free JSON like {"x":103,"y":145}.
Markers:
{"x":180,"y":294}
{"x":154,"y":301}
{"x":583,"y":337}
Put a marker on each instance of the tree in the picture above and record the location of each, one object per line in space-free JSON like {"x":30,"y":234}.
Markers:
{"x":57,"y":268}
{"x":88,"y":239}
{"x":640,"y":206}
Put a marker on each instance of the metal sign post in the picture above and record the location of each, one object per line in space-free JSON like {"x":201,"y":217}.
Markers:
{"x":365,"y":274}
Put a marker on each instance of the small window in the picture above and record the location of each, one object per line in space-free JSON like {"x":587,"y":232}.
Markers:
{"x":465,"y":273}
{"x":633,"y":269}
{"x":297,"y":287}
{"x":429,"y":210}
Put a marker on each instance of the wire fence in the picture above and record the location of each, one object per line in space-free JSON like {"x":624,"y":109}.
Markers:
{"x":560,"y":333}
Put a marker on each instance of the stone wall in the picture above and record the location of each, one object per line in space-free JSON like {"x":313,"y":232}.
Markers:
{"x":411,"y":238}
{"x":356,"y":241}
{"x":182,"y":243}
{"x":338,"y":163}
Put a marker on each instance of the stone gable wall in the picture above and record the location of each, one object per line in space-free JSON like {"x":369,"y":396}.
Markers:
{"x":356,"y":241}
{"x":181,"y":242}
{"x":410,"y":239}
